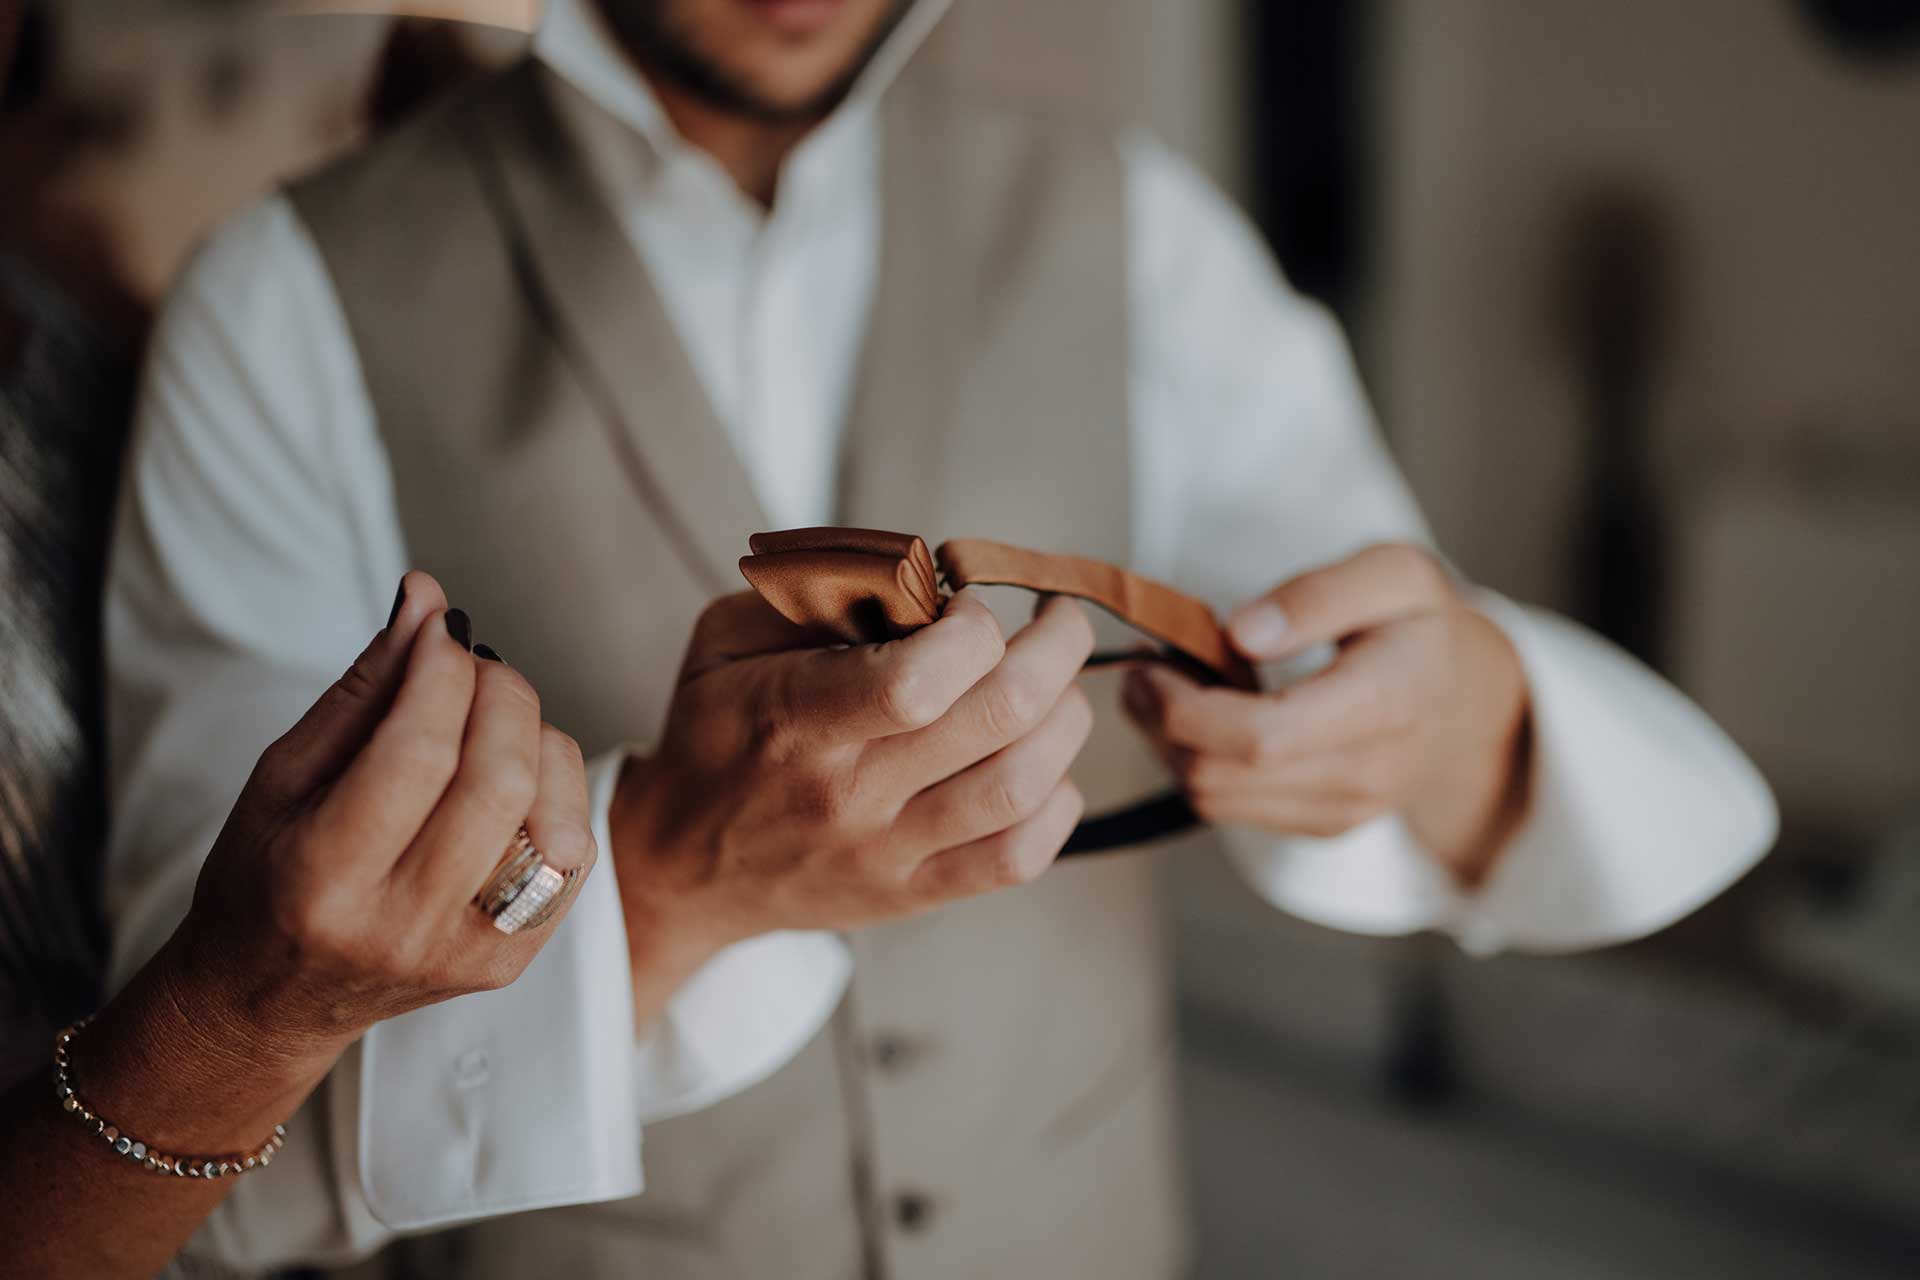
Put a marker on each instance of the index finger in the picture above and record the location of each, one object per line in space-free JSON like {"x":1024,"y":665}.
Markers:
{"x":1368,"y":589}
{"x":1343,"y":704}
{"x":316,"y":749}
{"x":1041,"y":661}
{"x":384,"y":797}
{"x":879,"y":690}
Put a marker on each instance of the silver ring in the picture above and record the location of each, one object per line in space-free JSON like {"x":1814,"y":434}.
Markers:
{"x":523,"y":892}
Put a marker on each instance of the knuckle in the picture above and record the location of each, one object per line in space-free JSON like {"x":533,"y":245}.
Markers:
{"x":1011,"y":795}
{"x":560,"y":741}
{"x":1008,"y":869}
{"x":769,"y":725}
{"x":907,"y":699}
{"x":1420,"y":568}
{"x":716,"y":618}
{"x":304,"y":924}
{"x":1010,"y":864}
{"x":428,"y":758}
{"x":824,"y":800}
{"x":566,"y":844}
{"x":1180,"y":719}
{"x":1327,"y":824}
{"x":504,"y":791}
{"x":512,"y":684}
{"x":503,"y":968}
{"x":1265,"y":746}
{"x":404,"y":956}
{"x":1377,"y":778}
{"x":777,"y":741}
{"x":508,"y":787}
{"x":1009,"y":706}
{"x":357,"y":683}
{"x":274,"y":769}
{"x":1031,"y":851}
{"x":985,"y":635}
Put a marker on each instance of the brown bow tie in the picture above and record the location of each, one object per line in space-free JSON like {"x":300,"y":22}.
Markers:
{"x":864,"y":586}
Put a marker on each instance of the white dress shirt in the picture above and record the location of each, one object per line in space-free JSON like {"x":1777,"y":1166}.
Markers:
{"x":259,"y":547}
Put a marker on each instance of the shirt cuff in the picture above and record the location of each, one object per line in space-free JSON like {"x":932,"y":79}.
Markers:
{"x":742,"y":1016}
{"x":1640,"y":811}
{"x":534,"y":1095}
{"x":509,"y":1100}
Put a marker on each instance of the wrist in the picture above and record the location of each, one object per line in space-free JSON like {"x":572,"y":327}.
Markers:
{"x":675,"y":920}
{"x":1476,"y":792}
{"x":175,"y":1061}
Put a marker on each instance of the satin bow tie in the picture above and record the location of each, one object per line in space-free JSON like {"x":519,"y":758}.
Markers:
{"x":865,"y":586}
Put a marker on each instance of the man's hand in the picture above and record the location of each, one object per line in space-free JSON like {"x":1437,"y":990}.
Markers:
{"x":1423,"y":712}
{"x":798,"y":787}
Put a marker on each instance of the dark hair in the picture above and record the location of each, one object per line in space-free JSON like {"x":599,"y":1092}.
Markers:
{"x":24,"y":78}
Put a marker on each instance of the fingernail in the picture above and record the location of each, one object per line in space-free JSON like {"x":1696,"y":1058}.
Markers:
{"x":485,"y":651}
{"x":1259,"y":628}
{"x":460,"y":627}
{"x":399,"y":598}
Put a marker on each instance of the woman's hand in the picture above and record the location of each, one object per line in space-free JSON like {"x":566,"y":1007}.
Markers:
{"x":339,"y":893}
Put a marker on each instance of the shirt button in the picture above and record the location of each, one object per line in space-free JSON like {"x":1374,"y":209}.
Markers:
{"x":912,"y":1211}
{"x":470,"y":1069}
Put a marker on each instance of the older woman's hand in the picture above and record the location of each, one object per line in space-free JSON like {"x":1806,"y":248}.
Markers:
{"x":341,"y":891}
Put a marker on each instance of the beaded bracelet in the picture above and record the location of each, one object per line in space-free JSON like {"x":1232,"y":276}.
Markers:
{"x":125,"y":1144}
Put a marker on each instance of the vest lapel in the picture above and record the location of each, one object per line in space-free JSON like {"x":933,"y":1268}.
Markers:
{"x":993,"y":390}
{"x":585,"y":277}
{"x":899,"y":437}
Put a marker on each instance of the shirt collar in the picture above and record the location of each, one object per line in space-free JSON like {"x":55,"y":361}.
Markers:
{"x":574,"y":40}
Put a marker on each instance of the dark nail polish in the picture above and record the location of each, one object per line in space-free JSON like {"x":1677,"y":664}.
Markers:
{"x":399,"y":598}
{"x":460,"y":627}
{"x":485,"y":651}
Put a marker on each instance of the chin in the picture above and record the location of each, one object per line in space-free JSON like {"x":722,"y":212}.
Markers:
{"x":786,"y":88}
{"x":772,"y":58}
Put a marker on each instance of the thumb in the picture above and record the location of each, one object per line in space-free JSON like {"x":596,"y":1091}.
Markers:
{"x":742,"y":625}
{"x":315,"y":750}
{"x":1369,"y":589}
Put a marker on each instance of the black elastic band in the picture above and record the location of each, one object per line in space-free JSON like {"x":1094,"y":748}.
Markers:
{"x":1155,"y":818}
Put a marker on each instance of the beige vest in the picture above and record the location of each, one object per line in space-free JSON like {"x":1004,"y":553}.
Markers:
{"x":993,"y":1099}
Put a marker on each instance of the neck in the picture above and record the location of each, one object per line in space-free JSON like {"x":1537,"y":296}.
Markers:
{"x":750,"y":150}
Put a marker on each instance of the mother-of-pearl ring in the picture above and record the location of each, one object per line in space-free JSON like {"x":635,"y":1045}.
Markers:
{"x":523,"y":892}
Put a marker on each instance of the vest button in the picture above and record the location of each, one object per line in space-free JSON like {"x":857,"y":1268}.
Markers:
{"x":892,"y":1052}
{"x":912,"y":1211}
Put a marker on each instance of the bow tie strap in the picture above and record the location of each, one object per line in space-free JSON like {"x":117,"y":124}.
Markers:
{"x":1177,"y":620}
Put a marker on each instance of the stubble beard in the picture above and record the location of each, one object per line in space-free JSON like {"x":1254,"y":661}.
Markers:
{"x":666,"y":50}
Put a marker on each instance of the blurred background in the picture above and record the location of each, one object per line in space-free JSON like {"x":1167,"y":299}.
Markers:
{"x":1636,"y":286}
